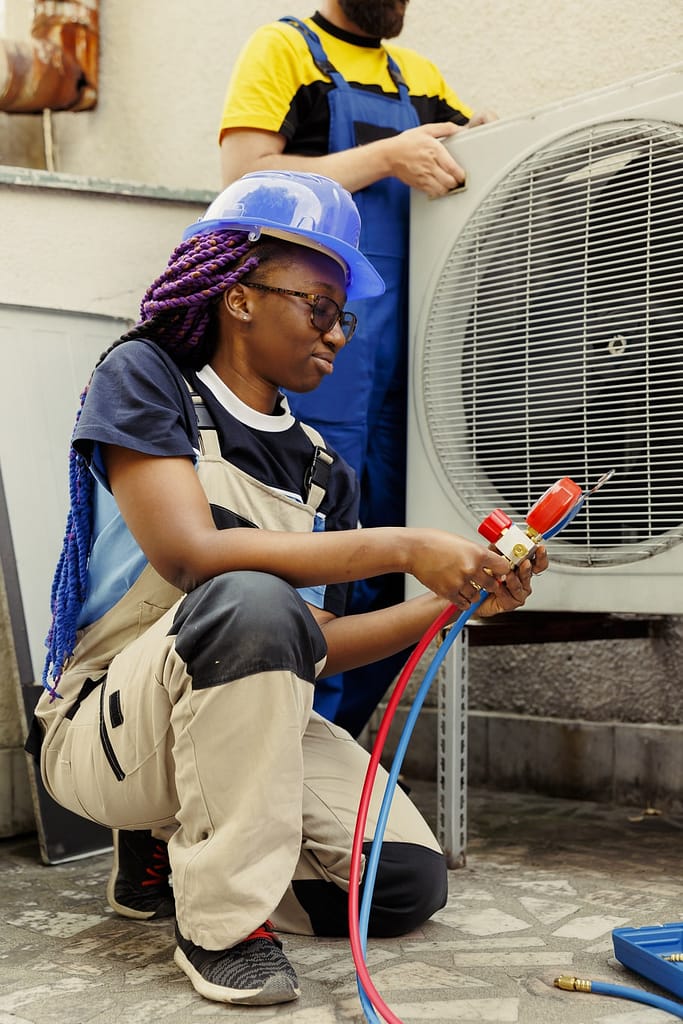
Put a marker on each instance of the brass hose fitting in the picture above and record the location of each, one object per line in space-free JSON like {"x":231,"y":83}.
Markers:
{"x":571,"y":984}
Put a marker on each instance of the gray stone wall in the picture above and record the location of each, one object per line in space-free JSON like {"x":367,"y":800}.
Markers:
{"x":626,"y":680}
{"x":598,"y":720}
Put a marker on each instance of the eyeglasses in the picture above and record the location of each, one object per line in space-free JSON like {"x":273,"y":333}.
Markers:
{"x":325,"y":312}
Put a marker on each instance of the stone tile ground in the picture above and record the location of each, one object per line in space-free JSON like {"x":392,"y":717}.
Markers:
{"x":545,"y":883}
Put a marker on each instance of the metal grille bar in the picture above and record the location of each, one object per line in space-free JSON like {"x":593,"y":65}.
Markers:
{"x":554,"y":343}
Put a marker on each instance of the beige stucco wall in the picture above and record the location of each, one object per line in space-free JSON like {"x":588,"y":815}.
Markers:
{"x":110,"y":244}
{"x":164,"y":65}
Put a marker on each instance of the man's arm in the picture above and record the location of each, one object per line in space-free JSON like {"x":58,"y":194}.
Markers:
{"x":416,"y":157}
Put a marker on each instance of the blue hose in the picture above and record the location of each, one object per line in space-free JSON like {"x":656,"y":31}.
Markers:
{"x":378,"y":838}
{"x":372,"y":862}
{"x":604,"y":988}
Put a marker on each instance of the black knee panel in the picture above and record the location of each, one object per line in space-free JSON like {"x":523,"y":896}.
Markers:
{"x":411,"y":885}
{"x":242,"y":623}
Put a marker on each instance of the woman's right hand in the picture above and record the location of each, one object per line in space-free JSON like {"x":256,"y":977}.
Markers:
{"x":453,"y":567}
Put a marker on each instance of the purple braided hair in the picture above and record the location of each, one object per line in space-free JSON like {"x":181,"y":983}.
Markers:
{"x":176,"y":309}
{"x":177,"y":313}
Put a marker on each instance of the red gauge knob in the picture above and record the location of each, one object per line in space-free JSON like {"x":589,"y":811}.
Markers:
{"x":554,"y":505}
{"x":496,"y":523}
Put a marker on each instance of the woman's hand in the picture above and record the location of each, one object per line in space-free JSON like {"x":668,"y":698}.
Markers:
{"x":512,"y":592}
{"x":452,"y":567}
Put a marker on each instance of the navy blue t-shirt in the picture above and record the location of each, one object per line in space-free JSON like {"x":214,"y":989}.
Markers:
{"x":138,"y":399}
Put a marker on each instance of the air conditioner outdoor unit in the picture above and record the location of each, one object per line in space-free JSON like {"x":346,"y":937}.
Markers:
{"x":546,"y":335}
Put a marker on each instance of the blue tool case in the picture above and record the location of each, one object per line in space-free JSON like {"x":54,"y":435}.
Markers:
{"x":644,"y":950}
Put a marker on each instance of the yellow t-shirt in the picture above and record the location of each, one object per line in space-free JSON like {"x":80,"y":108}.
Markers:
{"x":276,"y":86}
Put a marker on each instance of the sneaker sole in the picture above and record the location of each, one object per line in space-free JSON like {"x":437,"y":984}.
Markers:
{"x":167,"y":909}
{"x":149,"y":916}
{"x":278,"y":989}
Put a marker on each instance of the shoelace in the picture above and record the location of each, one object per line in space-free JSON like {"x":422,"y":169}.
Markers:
{"x":265,"y":931}
{"x":160,"y":867}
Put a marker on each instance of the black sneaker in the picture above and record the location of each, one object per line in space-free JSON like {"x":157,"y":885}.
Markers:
{"x":139,"y":882}
{"x":255,"y":972}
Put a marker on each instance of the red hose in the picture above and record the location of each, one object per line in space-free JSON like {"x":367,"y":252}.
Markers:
{"x":363,"y":808}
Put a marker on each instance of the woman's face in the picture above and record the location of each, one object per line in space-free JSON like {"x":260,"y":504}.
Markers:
{"x":279,"y":345}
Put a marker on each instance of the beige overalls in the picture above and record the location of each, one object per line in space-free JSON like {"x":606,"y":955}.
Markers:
{"x":195,"y":712}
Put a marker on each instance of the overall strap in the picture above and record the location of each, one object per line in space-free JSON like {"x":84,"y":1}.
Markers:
{"x":325,"y":65}
{"x":208,"y":434}
{"x":317,"y":474}
{"x":397,"y":78}
{"x":320,"y":58}
{"x":319,"y":471}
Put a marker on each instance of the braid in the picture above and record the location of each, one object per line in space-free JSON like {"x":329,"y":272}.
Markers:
{"x":176,"y":313}
{"x":71,"y":575}
{"x":176,"y":310}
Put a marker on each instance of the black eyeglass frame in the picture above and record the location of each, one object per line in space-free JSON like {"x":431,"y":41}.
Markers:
{"x":347,"y":321}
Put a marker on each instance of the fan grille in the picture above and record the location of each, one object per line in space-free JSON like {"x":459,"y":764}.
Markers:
{"x":553,"y":344}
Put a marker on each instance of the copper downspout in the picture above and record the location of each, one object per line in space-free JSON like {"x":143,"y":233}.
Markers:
{"x":57,"y":68}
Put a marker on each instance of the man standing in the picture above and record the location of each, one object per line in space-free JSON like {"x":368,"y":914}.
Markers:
{"x":327,"y":95}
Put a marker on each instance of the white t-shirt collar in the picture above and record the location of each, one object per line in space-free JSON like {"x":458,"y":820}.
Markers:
{"x":242,"y":412}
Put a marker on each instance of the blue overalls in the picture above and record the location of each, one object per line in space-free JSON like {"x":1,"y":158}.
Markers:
{"x":361,"y":410}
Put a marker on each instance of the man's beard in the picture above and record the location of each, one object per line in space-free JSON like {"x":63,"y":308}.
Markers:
{"x":382,"y":19}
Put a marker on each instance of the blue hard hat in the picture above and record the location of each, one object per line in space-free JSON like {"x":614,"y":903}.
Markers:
{"x":304,"y":208}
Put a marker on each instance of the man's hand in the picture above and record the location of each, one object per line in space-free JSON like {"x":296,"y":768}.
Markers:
{"x":419,"y":159}
{"x":485,"y":117}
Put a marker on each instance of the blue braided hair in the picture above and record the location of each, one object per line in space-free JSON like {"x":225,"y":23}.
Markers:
{"x":178,"y":313}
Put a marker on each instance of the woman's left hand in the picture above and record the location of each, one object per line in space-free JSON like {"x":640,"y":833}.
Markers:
{"x":511,"y":593}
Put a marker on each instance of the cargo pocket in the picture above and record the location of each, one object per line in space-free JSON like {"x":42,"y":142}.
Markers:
{"x":107,"y":747}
